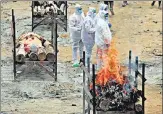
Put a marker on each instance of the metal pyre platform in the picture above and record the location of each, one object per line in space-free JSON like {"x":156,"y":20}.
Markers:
{"x":111,"y":98}
{"x":55,"y":20}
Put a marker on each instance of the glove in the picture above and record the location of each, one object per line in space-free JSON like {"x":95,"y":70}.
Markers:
{"x":109,"y":24}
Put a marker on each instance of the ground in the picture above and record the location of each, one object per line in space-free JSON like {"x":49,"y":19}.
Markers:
{"x":136,"y":27}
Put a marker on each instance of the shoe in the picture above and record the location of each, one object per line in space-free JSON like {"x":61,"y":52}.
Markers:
{"x":76,"y":63}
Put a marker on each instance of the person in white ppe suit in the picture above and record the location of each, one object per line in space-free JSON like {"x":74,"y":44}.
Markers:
{"x":88,"y":32}
{"x":103,"y":7}
{"x":75,"y":26}
{"x":103,"y":37}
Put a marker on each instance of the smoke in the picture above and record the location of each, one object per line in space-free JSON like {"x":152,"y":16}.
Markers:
{"x":133,"y":67}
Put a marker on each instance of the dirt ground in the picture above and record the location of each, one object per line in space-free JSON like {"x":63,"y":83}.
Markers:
{"x":136,"y":27}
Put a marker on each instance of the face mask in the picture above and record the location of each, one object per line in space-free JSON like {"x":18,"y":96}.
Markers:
{"x":94,"y":11}
{"x":106,"y":15}
{"x":94,"y":15}
{"x":79,"y":11}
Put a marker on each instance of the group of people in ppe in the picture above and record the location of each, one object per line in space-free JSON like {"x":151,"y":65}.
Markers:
{"x":88,"y":31}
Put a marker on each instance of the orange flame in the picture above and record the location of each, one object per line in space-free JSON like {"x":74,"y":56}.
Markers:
{"x":111,"y":68}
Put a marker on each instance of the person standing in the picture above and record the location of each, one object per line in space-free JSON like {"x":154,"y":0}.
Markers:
{"x":88,"y":32}
{"x":159,"y":4}
{"x":103,"y":37}
{"x":75,"y":26}
{"x":101,"y":8}
{"x":110,"y":4}
{"x":125,"y":3}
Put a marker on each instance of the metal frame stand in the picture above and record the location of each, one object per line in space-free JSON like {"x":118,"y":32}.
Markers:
{"x":94,"y":91}
{"x":143,"y":87}
{"x":142,"y":76}
{"x":14,"y":43}
{"x":136,"y":74}
{"x":54,"y":42}
{"x":88,"y":97}
{"x":83,"y":83}
{"x":66,"y":15}
{"x":39,"y":23}
{"x":62,"y":17}
{"x":88,"y":64}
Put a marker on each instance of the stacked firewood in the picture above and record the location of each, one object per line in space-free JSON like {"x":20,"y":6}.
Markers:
{"x":44,"y":7}
{"x":34,"y":47}
{"x":116,"y":97}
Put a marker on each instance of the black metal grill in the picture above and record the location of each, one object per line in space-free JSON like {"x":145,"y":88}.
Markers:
{"x":91,"y":97}
{"x":54,"y":22}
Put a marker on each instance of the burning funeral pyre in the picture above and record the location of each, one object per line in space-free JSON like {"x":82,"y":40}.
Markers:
{"x":116,"y":97}
{"x":113,"y":89}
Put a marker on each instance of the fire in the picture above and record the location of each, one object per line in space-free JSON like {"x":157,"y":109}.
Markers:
{"x":113,"y":91}
{"x":111,"y":69}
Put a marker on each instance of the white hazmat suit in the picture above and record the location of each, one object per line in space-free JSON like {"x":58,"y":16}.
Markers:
{"x":88,"y":32}
{"x":102,"y":37}
{"x":103,"y":7}
{"x":75,"y":26}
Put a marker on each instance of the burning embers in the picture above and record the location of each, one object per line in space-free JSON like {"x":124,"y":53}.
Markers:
{"x":116,"y":97}
{"x":113,"y":90}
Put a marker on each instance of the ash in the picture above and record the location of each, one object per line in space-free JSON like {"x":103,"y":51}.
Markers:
{"x":116,"y":97}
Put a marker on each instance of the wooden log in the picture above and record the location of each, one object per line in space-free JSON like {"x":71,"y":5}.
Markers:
{"x":20,"y":54}
{"x":33,"y":52}
{"x":42,"y":11}
{"x":47,"y":9}
{"x":50,"y":55}
{"x":35,"y":10}
{"x":33,"y":56}
{"x":41,"y":53}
